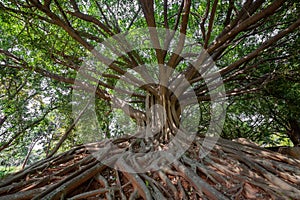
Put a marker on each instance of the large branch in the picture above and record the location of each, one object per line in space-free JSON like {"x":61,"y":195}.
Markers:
{"x":210,"y":24}
{"x":21,"y":64}
{"x":202,"y":23}
{"x":183,"y":29}
{"x":270,"y":10}
{"x":129,"y":110}
{"x":170,"y":34}
{"x":225,"y":71}
{"x":133,"y":61}
{"x":264,"y":46}
{"x":190,"y":73}
{"x":192,"y":70}
{"x":92,"y":19}
{"x":148,"y":10}
{"x":58,"y":21}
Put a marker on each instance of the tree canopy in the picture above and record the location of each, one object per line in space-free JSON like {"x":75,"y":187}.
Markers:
{"x":83,"y":71}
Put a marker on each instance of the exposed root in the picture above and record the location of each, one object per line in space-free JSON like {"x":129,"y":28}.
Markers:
{"x":230,"y":171}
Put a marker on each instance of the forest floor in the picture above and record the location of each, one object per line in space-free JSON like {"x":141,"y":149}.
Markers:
{"x":232,"y":170}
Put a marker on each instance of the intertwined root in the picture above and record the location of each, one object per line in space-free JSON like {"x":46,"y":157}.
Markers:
{"x":230,"y":171}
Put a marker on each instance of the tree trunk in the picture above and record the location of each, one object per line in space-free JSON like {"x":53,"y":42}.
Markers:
{"x":163,"y":116}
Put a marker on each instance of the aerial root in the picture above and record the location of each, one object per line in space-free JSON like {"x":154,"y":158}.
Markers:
{"x":230,"y":171}
{"x":168,"y":183}
{"x":93,"y":193}
{"x":135,"y":179}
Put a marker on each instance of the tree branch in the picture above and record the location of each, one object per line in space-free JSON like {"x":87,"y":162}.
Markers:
{"x":210,"y":24}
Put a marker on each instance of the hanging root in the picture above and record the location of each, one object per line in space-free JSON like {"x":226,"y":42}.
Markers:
{"x":231,"y":171}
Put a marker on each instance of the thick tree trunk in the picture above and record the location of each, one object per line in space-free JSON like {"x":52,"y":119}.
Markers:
{"x":163,"y":117}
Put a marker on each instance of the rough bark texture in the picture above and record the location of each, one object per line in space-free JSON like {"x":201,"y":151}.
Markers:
{"x":232,"y":170}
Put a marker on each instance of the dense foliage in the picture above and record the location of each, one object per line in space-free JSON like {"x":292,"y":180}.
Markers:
{"x":255,"y":45}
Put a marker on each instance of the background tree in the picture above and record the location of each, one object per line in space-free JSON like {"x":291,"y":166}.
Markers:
{"x":270,"y":116}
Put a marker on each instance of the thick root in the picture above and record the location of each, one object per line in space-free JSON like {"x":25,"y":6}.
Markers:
{"x":230,"y":171}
